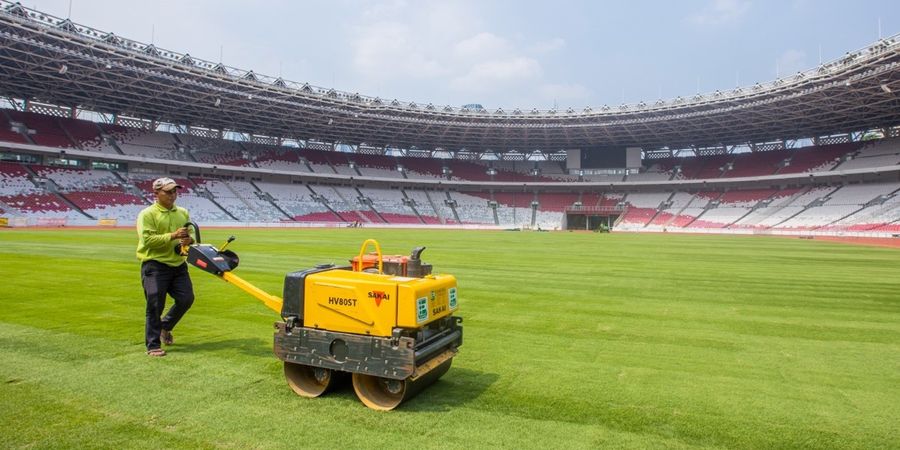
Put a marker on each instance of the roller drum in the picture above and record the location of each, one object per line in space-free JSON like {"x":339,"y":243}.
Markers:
{"x":308,"y":381}
{"x":385,"y":394}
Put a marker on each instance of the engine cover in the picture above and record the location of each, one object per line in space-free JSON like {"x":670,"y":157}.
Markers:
{"x":374,"y":304}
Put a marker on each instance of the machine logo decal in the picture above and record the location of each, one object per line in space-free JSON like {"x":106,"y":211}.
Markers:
{"x":379,"y":296}
{"x":201,"y":263}
{"x":341,"y":301}
{"x":421,"y":309}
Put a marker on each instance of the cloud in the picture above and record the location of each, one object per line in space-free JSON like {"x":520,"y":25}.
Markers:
{"x":400,"y":43}
{"x":550,"y":46}
{"x":481,"y":46}
{"x":497,"y":74}
{"x":385,"y":49}
{"x":564,"y":92}
{"x":791,"y":62}
{"x":408,"y":39}
{"x":720,"y":12}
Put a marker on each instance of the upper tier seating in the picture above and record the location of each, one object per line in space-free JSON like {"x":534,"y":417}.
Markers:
{"x":750,"y":164}
{"x":150,"y":144}
{"x":214,"y":151}
{"x":881,"y":153}
{"x":44,"y":130}
{"x":757,"y":164}
{"x":654,"y":172}
{"x":84,"y":133}
{"x":51,"y":131}
{"x":692,"y":167}
{"x":552,"y":170}
{"x":821,"y":158}
{"x":426,"y":168}
{"x":287,"y":159}
{"x":6,"y":132}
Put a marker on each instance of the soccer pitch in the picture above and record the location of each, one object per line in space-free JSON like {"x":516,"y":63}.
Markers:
{"x":573,"y":340}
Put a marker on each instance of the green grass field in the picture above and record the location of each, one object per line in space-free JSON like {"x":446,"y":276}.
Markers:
{"x":572,"y":340}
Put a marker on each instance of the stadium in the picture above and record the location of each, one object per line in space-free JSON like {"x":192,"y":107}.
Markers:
{"x":701,"y":320}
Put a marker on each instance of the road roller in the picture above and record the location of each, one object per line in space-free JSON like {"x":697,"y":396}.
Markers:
{"x":385,"y":321}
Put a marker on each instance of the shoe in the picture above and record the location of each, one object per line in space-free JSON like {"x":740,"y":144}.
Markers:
{"x":156,"y":352}
{"x":166,"y":337}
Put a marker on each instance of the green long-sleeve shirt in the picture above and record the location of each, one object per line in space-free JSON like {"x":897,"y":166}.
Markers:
{"x":154,"y":227}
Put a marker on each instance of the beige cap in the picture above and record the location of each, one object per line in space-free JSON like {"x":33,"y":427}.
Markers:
{"x":165,"y":184}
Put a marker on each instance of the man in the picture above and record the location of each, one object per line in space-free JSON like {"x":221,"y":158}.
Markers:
{"x":163,"y":270}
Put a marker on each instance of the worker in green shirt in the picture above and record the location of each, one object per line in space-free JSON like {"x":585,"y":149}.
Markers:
{"x":163,"y":269}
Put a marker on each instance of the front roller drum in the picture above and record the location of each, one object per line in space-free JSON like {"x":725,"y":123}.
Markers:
{"x":308,"y":381}
{"x":385,"y":394}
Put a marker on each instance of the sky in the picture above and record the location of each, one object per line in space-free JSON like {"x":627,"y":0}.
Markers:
{"x":502,"y":53}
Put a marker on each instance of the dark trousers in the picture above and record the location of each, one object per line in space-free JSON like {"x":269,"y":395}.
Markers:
{"x":160,"y":279}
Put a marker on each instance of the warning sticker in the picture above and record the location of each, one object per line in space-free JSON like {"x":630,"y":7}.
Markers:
{"x":421,"y":309}
{"x":452,"y":295}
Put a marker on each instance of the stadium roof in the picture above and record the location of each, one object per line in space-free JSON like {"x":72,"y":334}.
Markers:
{"x":54,"y":60}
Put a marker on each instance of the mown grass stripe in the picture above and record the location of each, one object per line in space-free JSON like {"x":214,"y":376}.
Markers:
{"x":579,"y":340}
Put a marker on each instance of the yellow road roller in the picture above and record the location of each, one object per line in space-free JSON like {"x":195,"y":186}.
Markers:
{"x":386,"y":320}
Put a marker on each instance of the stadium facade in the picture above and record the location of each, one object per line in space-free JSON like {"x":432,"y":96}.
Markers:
{"x":165,"y":112}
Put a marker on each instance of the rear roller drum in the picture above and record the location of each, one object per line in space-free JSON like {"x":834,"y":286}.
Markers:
{"x":308,"y":381}
{"x":385,"y":394}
